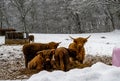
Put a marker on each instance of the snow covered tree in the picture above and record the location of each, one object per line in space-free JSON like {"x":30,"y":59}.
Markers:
{"x":23,"y":7}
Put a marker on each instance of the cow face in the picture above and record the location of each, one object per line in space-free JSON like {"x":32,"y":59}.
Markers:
{"x":53,"y":45}
{"x":80,"y":40}
{"x":47,"y":56}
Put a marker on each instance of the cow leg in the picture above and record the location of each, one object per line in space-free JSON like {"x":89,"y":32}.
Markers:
{"x":26,"y":62}
{"x":62,"y":65}
{"x":62,"y":62}
{"x":57,"y":62}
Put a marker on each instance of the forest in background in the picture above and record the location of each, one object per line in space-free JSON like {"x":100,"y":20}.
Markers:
{"x":60,"y":16}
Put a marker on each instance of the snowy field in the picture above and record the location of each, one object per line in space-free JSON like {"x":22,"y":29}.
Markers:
{"x":98,"y":72}
{"x":98,"y":44}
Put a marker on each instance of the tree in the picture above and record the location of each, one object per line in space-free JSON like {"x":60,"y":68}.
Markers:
{"x":33,"y":24}
{"x":3,"y":15}
{"x":95,"y":15}
{"x":24,"y":7}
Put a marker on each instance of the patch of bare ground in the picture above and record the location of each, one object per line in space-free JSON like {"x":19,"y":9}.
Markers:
{"x":15,"y":69}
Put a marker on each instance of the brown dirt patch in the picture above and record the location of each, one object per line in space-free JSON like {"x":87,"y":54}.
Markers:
{"x":15,"y":69}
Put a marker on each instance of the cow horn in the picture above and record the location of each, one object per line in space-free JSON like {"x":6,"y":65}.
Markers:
{"x":71,"y":37}
{"x":59,"y":42}
{"x":88,"y":36}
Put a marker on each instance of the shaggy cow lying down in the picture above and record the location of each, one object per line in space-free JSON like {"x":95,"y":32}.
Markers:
{"x":47,"y":56}
{"x":42,"y":60}
{"x":58,"y":58}
{"x":30,"y":50}
{"x":62,"y":58}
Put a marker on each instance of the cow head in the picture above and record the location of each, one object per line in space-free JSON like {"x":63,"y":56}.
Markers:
{"x":53,"y":45}
{"x":47,"y":56}
{"x":80,"y":40}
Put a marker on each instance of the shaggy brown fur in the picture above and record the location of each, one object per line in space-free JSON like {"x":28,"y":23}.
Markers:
{"x":81,"y":53}
{"x":62,"y":58}
{"x":42,"y":60}
{"x":72,"y":55}
{"x":78,"y":46}
{"x":73,"y":46}
{"x":67,"y":54}
{"x":36,"y":63}
{"x":47,"y":56}
{"x":31,"y":38}
{"x":30,"y":50}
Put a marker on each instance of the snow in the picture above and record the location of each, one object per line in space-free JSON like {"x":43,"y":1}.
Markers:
{"x":95,"y":45}
{"x":98,"y":44}
{"x":2,"y":38}
{"x":97,"y":72}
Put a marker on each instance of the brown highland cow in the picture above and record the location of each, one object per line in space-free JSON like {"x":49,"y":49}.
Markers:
{"x":36,"y":63}
{"x":62,"y":58}
{"x":30,"y":50}
{"x":31,"y":38}
{"x":42,"y":61}
{"x":78,"y":46}
{"x":47,"y":56}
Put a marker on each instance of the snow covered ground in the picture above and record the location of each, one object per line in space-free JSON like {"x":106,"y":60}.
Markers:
{"x":98,"y":72}
{"x":98,"y":44}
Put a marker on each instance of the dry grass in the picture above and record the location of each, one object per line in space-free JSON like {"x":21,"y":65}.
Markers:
{"x":15,"y":69}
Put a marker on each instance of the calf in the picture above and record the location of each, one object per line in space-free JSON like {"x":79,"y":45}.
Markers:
{"x":36,"y":63}
{"x":42,"y":60}
{"x":31,"y":38}
{"x":47,"y":56}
